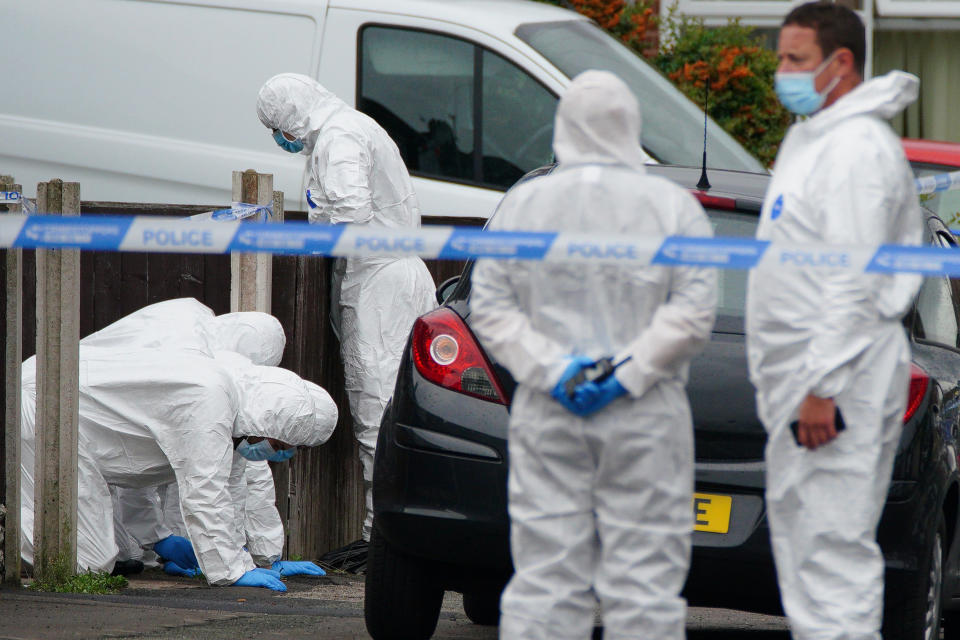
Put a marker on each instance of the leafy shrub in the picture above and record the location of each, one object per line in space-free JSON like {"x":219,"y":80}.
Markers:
{"x":731,"y":64}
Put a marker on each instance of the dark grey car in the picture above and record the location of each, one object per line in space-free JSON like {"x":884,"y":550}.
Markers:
{"x":441,"y":464}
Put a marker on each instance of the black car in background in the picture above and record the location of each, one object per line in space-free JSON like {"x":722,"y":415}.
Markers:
{"x":441,"y":466}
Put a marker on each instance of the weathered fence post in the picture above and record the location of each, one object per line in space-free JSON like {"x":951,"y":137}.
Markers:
{"x":251,"y":273}
{"x":281,"y":470}
{"x":13,"y":354}
{"x":251,"y":277}
{"x":58,"y":354}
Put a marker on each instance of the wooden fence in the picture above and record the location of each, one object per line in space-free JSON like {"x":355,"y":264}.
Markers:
{"x":320,"y":491}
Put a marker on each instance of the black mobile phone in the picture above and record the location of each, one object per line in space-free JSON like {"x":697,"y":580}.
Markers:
{"x":838,"y":424}
{"x":597,"y":372}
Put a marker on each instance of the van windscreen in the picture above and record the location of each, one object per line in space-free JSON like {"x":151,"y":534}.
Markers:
{"x":672,"y":124}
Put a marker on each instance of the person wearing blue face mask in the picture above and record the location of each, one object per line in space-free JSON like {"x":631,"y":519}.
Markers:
{"x":150,"y":417}
{"x":356,"y":175}
{"x":823,"y":341}
{"x":259,"y":449}
{"x":287,"y":142}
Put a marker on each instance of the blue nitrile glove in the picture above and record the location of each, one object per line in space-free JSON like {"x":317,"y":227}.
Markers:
{"x":261,"y":578}
{"x":593,"y":396}
{"x":174,"y":569}
{"x":559,"y":392}
{"x":177,"y":549}
{"x":294,"y":568}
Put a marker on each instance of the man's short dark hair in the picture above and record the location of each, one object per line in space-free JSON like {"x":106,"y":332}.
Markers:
{"x":836,"y":26}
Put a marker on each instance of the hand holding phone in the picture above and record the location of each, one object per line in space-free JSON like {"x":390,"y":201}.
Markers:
{"x":838,"y":424}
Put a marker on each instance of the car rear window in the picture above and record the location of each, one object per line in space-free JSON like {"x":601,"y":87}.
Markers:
{"x":732,"y":283}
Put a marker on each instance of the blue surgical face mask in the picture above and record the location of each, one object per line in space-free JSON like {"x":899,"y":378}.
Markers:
{"x":257,"y":451}
{"x":283,"y":454}
{"x":293,"y":146}
{"x":797,"y":91}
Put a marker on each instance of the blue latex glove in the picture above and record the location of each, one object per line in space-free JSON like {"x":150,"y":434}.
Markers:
{"x":261,"y":578}
{"x":591,"y":396}
{"x":559,"y":393}
{"x":178,"y":550}
{"x":293,"y":568}
{"x":174,"y":569}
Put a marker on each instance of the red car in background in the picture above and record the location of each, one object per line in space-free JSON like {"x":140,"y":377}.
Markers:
{"x":930,"y":157}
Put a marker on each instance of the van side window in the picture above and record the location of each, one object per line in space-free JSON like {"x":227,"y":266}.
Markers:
{"x":427,"y":90}
{"x":518,"y":117}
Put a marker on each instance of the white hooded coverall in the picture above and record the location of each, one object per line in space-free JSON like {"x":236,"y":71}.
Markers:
{"x":146,"y":516}
{"x":600,"y":507}
{"x":149,"y":418}
{"x":143,"y":516}
{"x":841,"y":177}
{"x":356,"y":175}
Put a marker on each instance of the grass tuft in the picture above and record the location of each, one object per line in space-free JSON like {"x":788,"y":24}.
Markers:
{"x":90,"y":582}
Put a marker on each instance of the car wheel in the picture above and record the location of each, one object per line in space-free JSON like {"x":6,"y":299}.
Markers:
{"x":401,"y":596}
{"x":482,"y":607}
{"x":912,"y":609}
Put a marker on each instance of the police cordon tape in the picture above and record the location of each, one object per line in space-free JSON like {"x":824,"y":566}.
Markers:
{"x":178,"y":235}
{"x":939,"y":182}
{"x":221,"y":231}
{"x":237,"y":210}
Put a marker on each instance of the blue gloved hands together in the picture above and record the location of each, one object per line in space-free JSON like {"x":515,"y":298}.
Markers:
{"x":177,"y":549}
{"x":593,"y":396}
{"x":174,"y":569}
{"x":261,"y":578}
{"x":574,"y":365}
{"x":294,"y":568}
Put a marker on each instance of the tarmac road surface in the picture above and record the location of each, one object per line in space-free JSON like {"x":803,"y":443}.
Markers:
{"x":160,"y":607}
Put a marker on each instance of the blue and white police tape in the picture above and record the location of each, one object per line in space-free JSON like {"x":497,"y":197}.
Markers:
{"x":939,"y":182}
{"x":172,"y":235}
{"x":237,"y":211}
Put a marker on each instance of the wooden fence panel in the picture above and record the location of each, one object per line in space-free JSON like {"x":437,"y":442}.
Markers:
{"x":324,"y":508}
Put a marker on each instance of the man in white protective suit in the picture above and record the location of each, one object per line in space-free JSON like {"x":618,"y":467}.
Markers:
{"x":356,"y":175}
{"x":242,"y":337}
{"x":150,"y":417}
{"x":823,"y":342}
{"x":144,"y":516}
{"x":601,"y":474}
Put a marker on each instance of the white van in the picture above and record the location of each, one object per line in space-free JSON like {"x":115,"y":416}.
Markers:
{"x":154,"y":100}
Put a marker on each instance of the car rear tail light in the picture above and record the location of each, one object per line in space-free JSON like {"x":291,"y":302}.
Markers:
{"x":446,"y":353}
{"x":919,"y":381}
{"x":714,"y":202}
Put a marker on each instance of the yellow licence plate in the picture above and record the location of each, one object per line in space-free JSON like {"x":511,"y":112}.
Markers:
{"x":711,"y":512}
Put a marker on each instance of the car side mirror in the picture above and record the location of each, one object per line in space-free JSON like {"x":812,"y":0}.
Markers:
{"x":446,"y":288}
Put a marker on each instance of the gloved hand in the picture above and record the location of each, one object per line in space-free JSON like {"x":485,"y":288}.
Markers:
{"x":294,"y":568}
{"x":174,"y":569}
{"x":177,"y":549}
{"x":559,"y":392}
{"x":593,"y":396}
{"x":261,"y":578}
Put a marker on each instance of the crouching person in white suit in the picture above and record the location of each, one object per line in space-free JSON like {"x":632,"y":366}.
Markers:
{"x":148,"y":418}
